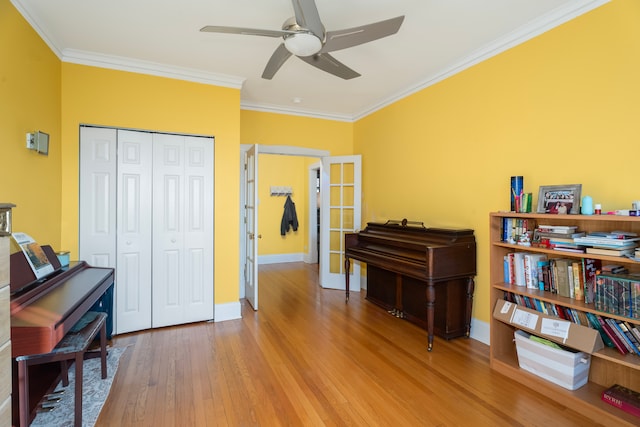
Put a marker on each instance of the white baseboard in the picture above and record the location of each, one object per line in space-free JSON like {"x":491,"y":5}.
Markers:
{"x":278,"y":258}
{"x":227,"y":311}
{"x":480,"y":331}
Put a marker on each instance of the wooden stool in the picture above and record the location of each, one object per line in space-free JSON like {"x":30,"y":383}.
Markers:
{"x":72,"y":347}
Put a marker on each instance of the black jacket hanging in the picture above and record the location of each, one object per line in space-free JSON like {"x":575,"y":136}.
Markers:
{"x":289,"y":217}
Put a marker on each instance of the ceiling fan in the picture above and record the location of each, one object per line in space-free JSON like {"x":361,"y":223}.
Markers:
{"x":305,"y":36}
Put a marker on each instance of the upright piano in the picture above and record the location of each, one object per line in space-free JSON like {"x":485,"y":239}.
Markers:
{"x":43,"y":311}
{"x":424,"y":275}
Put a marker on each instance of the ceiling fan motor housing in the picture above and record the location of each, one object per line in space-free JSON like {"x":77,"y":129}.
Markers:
{"x":303,"y":42}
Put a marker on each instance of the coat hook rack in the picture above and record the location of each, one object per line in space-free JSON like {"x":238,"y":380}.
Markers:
{"x":277,"y":190}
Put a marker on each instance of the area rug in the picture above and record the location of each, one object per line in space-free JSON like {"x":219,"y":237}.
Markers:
{"x":95,"y":391}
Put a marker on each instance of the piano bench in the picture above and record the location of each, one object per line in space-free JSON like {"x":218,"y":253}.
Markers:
{"x":73,"y":346}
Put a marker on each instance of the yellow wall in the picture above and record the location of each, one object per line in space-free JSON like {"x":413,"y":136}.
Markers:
{"x":29,"y":100}
{"x":121,"y":99}
{"x":278,"y":170}
{"x":294,"y":131}
{"x":560,"y":109}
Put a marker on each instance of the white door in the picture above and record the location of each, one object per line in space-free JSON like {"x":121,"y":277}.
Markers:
{"x":117,"y":216}
{"x":182,"y":229}
{"x":251,"y":227}
{"x":97,"y":243}
{"x":341,"y":190}
{"x":133,"y":242}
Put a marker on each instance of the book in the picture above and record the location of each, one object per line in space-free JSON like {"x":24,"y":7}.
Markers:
{"x":518,"y":263}
{"x":531,"y":269}
{"x":572,"y":286}
{"x":621,"y":336}
{"x":589,"y":268}
{"x":631,"y":340}
{"x":562,"y":282}
{"x":606,"y":242}
{"x":561,"y":229}
{"x":595,"y":324}
{"x":543,"y":275}
{"x":568,"y":236}
{"x":635,"y":336}
{"x":36,"y":257}
{"x":624,"y":398}
{"x":616,"y":234}
{"x":612,"y":335}
{"x":610,"y":251}
{"x":578,"y":280}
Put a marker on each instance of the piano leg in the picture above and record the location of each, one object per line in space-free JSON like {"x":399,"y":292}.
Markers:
{"x":431,"y":305}
{"x":470,"y":290}
{"x":23,"y":392}
{"x":347,"y":268}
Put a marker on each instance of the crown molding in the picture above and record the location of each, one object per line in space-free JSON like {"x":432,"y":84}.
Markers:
{"x":151,"y":68}
{"x":277,"y":109}
{"x":535,"y":28}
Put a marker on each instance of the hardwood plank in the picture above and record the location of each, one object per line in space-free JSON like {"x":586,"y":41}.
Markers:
{"x":307,"y":358}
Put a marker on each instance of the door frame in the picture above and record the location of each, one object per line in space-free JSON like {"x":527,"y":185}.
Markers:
{"x":313,"y":256}
{"x":284,"y":150}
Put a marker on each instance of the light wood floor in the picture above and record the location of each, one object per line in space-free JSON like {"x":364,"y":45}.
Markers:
{"x":307,"y":359}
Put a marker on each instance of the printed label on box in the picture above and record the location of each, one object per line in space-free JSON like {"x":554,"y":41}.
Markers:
{"x":555,"y":328}
{"x":524,"y":319}
{"x":506,"y":307}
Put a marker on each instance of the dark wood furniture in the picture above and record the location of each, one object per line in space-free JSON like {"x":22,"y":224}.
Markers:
{"x":425,"y":275}
{"x":44,"y":311}
{"x":72,"y":347}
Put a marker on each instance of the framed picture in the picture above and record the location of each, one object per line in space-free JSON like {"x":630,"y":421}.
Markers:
{"x":559,"y":199}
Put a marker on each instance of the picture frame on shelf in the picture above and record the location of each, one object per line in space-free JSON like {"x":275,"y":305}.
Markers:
{"x":559,"y":199}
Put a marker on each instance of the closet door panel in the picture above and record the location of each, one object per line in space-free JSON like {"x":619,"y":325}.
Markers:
{"x":133,"y":274}
{"x":198,"y":236}
{"x":97,"y":241}
{"x":168,"y":230}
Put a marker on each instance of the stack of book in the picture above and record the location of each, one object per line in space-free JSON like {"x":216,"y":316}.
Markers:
{"x":559,"y":237}
{"x":613,"y":243}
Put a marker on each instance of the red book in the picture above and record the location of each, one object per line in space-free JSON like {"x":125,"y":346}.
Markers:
{"x":621,"y":397}
{"x":616,"y":341}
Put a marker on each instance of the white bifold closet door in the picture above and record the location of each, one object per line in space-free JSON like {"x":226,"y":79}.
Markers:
{"x":182,"y":229}
{"x":148,"y":212}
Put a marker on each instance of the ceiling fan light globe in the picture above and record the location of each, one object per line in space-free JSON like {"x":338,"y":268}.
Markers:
{"x":303,"y":44}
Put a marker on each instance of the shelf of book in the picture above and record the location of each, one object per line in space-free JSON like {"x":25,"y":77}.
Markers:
{"x":608,"y":366}
{"x":567,"y":254}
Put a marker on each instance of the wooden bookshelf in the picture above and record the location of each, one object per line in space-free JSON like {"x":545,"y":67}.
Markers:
{"x":608,"y":366}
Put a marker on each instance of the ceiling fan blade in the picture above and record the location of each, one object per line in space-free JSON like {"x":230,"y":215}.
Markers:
{"x":278,"y":58}
{"x":307,"y":16}
{"x":246,"y":31}
{"x":342,"y":39}
{"x":328,"y":63}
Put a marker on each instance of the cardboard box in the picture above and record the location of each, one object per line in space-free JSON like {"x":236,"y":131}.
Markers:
{"x":565,"y":368}
{"x":557,"y":330}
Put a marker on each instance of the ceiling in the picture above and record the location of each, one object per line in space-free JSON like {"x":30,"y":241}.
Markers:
{"x":438,"y":38}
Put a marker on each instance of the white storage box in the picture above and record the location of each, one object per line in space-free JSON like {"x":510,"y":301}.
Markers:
{"x":564,"y":368}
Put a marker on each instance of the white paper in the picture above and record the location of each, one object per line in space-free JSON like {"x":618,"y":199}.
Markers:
{"x":36,"y":257}
{"x":505,"y":307}
{"x":555,"y":328}
{"x":524,"y":319}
